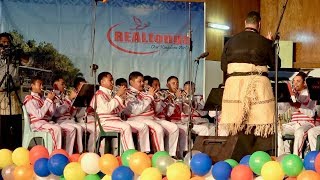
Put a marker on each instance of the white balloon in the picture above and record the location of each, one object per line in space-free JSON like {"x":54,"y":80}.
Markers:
{"x":90,"y":163}
{"x":258,"y":178}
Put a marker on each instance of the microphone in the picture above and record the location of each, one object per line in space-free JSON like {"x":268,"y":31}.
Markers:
{"x":94,"y":68}
{"x":203,"y":55}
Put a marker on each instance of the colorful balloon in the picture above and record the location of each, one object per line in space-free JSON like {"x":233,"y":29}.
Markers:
{"x":157,"y":155}
{"x":232,"y":162}
{"x":7,"y":172}
{"x":272,"y":171}
{"x":57,"y":163}
{"x":20,"y":156}
{"x":90,"y":163}
{"x":6,"y":158}
{"x":292,"y":165}
{"x":74,"y":158}
{"x":139,"y":161}
{"x":245,"y":160}
{"x":309,"y":160}
{"x":179,"y":171}
{"x":163,"y":162}
{"x":38,"y":152}
{"x":125,"y":157}
{"x":41,"y":167}
{"x":151,"y":173}
{"x":187,"y":159}
{"x":92,"y":177}
{"x":241,"y":172}
{"x":257,"y":160}
{"x":221,"y":170}
{"x":200,"y":164}
{"x":308,"y":175}
{"x":122,"y":173}
{"x":23,"y":172}
{"x":108,"y":163}
{"x":73,"y":171}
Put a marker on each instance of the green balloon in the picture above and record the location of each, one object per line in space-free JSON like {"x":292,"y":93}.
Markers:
{"x":92,"y":177}
{"x":232,"y":162}
{"x":257,"y":160}
{"x":292,"y":165}
{"x":62,"y":178}
{"x":125,"y":157}
{"x":157,"y":155}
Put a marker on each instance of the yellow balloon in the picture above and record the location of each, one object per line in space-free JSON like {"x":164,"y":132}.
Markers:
{"x":179,"y":171}
{"x":73,"y":171}
{"x":106,"y":177}
{"x":151,"y":173}
{"x":5,"y":158}
{"x":272,"y":171}
{"x":20,"y":156}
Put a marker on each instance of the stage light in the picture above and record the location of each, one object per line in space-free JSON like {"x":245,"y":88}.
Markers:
{"x":218,"y":26}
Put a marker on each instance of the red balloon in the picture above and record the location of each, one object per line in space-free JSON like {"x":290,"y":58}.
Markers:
{"x":38,"y":152}
{"x":74,"y":157}
{"x":317,"y":163}
{"x":119,"y":159}
{"x":241,"y":172}
{"x":291,"y":178}
{"x":165,"y":178}
{"x":59,"y":151}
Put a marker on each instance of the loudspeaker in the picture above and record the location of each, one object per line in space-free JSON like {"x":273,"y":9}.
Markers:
{"x":220,"y":148}
{"x":10,"y":131}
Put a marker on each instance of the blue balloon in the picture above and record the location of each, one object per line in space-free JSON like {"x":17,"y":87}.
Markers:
{"x":122,"y":173}
{"x":57,"y":163}
{"x":41,"y":167}
{"x":245,"y":160}
{"x":200,"y":164}
{"x":221,"y":170}
{"x":308,"y":161}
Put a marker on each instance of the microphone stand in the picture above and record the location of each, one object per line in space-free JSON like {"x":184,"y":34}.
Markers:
{"x":190,"y":124}
{"x":94,"y":68}
{"x":276,"y":46}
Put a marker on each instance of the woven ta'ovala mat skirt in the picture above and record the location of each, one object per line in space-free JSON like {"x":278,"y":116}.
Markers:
{"x":248,"y":102}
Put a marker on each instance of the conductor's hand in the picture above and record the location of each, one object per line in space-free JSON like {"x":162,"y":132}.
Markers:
{"x":121,"y":91}
{"x":73,"y":94}
{"x":151,"y":91}
{"x":51,"y":95}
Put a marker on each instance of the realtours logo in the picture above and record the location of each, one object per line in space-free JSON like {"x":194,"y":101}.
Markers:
{"x":154,"y":41}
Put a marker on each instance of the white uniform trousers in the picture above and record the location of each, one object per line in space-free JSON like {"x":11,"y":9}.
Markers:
{"x":312,"y":137}
{"x":299,"y":130}
{"x":158,"y":129}
{"x":89,"y":127}
{"x":54,"y":129}
{"x":204,"y":129}
{"x":79,"y":132}
{"x":70,"y":132}
{"x":118,"y":126}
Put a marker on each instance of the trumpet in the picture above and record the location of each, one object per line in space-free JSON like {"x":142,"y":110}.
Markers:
{"x":45,"y":93}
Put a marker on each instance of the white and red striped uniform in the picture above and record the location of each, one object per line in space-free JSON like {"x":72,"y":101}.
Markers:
{"x":40,"y":111}
{"x":177,"y":112}
{"x":79,"y":114}
{"x":301,"y":121}
{"x":109,"y":109}
{"x":63,"y":117}
{"x":140,"y":108}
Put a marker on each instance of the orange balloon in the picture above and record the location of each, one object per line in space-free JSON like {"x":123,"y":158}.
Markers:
{"x":59,"y":151}
{"x":74,"y":157}
{"x":197,"y":178}
{"x":38,"y":152}
{"x":291,"y":178}
{"x":79,"y":160}
{"x":138,"y":162}
{"x":308,"y":175}
{"x":23,"y":172}
{"x":165,"y":178}
{"x":108,"y":163}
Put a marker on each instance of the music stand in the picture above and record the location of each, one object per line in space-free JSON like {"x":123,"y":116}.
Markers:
{"x":214,"y":103}
{"x":83,"y":99}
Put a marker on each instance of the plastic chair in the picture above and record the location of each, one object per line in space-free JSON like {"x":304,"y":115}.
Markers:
{"x":29,"y":134}
{"x":107,"y":136}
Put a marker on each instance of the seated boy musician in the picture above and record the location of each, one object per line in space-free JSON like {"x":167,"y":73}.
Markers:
{"x":109,"y":105}
{"x":177,"y":111}
{"x":40,"y":110}
{"x":302,"y":120}
{"x":62,"y":115}
{"x":140,"y":109}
